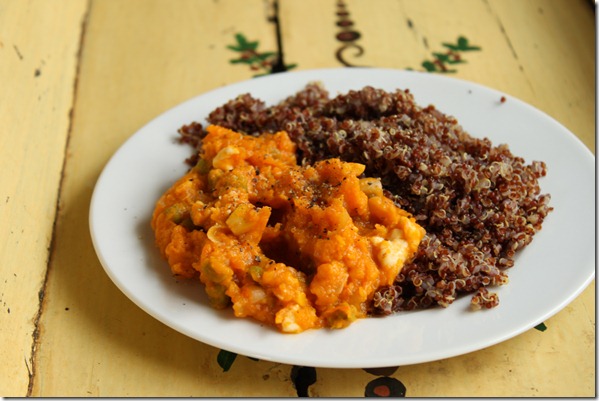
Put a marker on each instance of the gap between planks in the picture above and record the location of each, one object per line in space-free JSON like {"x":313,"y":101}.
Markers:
{"x":31,"y":366}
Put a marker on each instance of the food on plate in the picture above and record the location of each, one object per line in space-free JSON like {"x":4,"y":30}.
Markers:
{"x":478,"y":202}
{"x":296,"y":247}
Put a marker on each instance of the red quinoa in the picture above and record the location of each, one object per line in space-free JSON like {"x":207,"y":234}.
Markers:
{"x":478,"y":202}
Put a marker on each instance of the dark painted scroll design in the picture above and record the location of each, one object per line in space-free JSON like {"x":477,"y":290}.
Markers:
{"x":385,"y":386}
{"x":347,"y":35}
{"x":302,"y":378}
{"x":279,"y":65}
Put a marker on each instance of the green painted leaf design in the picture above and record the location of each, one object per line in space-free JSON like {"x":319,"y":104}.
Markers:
{"x":451,"y":47}
{"x":449,"y":58}
{"x":441,"y":60}
{"x":266,"y":55}
{"x":242,"y":61}
{"x":463,"y":45}
{"x":225,"y":359}
{"x":262,"y":62}
{"x":442,"y":57}
{"x":243,"y":44}
{"x":429,"y":66}
{"x":234,"y":48}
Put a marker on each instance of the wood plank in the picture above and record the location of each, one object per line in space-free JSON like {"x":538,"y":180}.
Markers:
{"x":140,"y":58}
{"x":518,"y":41}
{"x":554,"y":42}
{"x":37,"y":76}
{"x":143,"y":57}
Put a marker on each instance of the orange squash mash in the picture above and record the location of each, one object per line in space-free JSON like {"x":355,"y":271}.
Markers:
{"x":296,"y":247}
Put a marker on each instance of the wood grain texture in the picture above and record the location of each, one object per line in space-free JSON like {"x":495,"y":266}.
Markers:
{"x":74,"y":91}
{"x":37,"y":77}
{"x":553,"y":43}
{"x":538,"y":51}
{"x":533,"y":364}
{"x":139,"y":59}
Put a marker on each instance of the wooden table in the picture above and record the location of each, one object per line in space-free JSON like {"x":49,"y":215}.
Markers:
{"x":77,"y":78}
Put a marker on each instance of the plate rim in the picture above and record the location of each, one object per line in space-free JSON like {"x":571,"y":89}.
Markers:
{"x":304,"y":73}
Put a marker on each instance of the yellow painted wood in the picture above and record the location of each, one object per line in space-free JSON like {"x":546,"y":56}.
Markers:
{"x":38,"y":59}
{"x":141,"y":57}
{"x":534,"y":364}
{"x":539,"y":51}
{"x":554,"y":41}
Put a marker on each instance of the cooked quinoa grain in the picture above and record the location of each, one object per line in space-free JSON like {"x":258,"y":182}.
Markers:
{"x":478,"y":202}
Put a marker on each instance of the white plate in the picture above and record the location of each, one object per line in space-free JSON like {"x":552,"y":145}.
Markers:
{"x":548,"y":274}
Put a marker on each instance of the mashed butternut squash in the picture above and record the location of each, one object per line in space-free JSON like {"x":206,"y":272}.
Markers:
{"x":296,"y":247}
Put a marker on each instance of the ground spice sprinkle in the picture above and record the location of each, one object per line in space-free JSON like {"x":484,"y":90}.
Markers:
{"x":478,"y":202}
